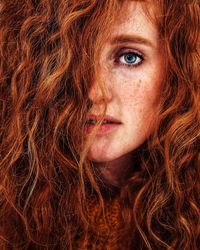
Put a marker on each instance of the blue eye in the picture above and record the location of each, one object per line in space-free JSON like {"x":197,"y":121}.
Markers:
{"x":131,"y":59}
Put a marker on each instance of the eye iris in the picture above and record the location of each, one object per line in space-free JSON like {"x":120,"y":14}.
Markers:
{"x":130,"y":58}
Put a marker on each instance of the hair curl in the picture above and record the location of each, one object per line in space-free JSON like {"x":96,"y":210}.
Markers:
{"x":45,"y":176}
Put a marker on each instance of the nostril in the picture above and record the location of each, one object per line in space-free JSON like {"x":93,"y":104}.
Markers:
{"x":89,"y":104}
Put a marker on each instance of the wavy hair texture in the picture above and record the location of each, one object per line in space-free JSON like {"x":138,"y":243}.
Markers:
{"x":49,"y":52}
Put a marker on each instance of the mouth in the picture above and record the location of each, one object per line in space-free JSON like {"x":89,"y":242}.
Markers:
{"x":94,"y":122}
{"x":94,"y":119}
{"x":107,"y":125}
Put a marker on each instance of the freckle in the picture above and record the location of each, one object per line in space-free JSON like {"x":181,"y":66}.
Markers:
{"x":138,"y":83}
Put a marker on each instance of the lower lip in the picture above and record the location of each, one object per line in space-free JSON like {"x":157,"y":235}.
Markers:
{"x":103,"y":129}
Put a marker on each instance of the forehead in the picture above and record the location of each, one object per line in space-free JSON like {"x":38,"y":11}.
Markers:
{"x":134,"y":18}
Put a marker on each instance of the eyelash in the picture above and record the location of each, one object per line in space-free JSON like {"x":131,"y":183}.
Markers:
{"x":123,"y":52}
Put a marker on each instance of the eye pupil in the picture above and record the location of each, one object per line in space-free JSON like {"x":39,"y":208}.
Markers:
{"x":130,"y":58}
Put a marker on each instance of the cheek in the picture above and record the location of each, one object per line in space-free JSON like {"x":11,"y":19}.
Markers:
{"x":140,"y":94}
{"x":138,"y":86}
{"x":141,"y":104}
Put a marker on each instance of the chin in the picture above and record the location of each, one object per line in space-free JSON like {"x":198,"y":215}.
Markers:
{"x":101,"y":156}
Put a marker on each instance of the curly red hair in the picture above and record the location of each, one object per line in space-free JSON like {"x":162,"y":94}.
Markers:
{"x":48,"y":49}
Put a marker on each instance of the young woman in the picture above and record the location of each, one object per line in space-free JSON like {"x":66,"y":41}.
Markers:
{"x":99,"y":125}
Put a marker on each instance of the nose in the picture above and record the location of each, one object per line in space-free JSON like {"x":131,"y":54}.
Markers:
{"x":98,"y":95}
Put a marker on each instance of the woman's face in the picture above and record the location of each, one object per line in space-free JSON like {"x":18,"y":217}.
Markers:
{"x":132,"y":68}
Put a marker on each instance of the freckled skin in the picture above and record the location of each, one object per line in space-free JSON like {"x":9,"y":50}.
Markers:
{"x":133,"y":93}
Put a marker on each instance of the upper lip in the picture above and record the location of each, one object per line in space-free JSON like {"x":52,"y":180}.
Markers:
{"x":107,"y":117}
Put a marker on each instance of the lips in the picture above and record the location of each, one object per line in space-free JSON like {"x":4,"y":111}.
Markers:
{"x":108,"y":125}
{"x":93,"y":119}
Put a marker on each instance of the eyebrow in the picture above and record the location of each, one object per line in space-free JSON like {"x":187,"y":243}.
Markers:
{"x":123,"y":38}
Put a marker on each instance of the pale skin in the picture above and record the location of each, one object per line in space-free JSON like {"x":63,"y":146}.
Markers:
{"x":132,"y":71}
